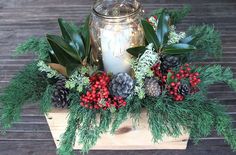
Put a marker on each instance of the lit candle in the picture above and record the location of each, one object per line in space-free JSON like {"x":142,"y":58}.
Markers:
{"x":114,"y":42}
{"x":115,"y":26}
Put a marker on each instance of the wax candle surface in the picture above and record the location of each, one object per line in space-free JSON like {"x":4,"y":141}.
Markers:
{"x":114,"y":42}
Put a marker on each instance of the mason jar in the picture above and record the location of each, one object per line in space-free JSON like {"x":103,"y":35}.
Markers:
{"x":115,"y":26}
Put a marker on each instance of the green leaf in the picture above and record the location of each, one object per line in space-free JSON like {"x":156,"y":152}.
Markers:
{"x":66,"y":30}
{"x":150,"y":34}
{"x":63,"y":57}
{"x":169,"y":80}
{"x":163,"y":28}
{"x":136,"y":51}
{"x":187,"y":40}
{"x":178,"y":48}
{"x":72,"y":37}
{"x":78,"y":46}
{"x":64,"y":46}
{"x":53,"y":57}
{"x":86,"y":38}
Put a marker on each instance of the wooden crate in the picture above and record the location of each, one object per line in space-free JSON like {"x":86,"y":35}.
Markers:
{"x":126,"y":137}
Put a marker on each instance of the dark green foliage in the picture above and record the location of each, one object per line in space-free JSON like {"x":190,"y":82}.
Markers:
{"x":150,"y":34}
{"x":159,"y":38}
{"x":39,"y":46}
{"x":89,"y":127}
{"x":179,"y":48}
{"x":46,"y":101}
{"x":68,"y":138}
{"x":196,"y":114}
{"x":72,"y":48}
{"x":28,"y":86}
{"x":216,"y":73}
{"x":119,"y":118}
{"x":206,"y":39}
{"x":135,"y":108}
{"x":136,"y":51}
{"x":232,"y":83}
{"x":88,"y":130}
{"x":223,"y":125}
{"x":176,"y":15}
{"x":163,"y":28}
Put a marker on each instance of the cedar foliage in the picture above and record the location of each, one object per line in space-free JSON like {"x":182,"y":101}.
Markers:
{"x":89,"y":128}
{"x":206,"y":39}
{"x":176,"y":15}
{"x":39,"y":46}
{"x":46,"y":100}
{"x":28,"y":86}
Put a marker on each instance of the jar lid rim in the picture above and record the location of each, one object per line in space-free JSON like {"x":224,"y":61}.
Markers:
{"x":117,"y":17}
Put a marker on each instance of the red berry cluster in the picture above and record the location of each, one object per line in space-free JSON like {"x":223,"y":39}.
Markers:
{"x":173,"y":91}
{"x":184,"y":73}
{"x":99,"y":97}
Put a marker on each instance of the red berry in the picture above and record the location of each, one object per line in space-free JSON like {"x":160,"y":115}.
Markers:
{"x":172,"y":84}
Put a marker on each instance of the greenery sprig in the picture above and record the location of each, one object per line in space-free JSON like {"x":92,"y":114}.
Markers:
{"x":160,"y":38}
{"x":28,"y":86}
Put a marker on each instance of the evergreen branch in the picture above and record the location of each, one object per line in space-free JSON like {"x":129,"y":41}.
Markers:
{"x":69,"y":137}
{"x":39,"y":46}
{"x":223,"y":124}
{"x":135,"y":109}
{"x":46,"y":101}
{"x":105,"y":121}
{"x":206,"y":39}
{"x":232,"y":84}
{"x":89,"y":128}
{"x":176,"y":15}
{"x":119,"y":118}
{"x":216,"y":73}
{"x":44,"y":68}
{"x":28,"y":85}
{"x":89,"y":131}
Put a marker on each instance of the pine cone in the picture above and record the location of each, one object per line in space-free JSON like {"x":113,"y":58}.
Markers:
{"x":152,"y":87}
{"x":169,"y":62}
{"x":59,"y":97}
{"x":121,"y":85}
{"x":184,"y":89}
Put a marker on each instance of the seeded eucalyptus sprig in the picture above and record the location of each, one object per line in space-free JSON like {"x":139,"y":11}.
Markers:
{"x":72,"y":49}
{"x":160,"y":38}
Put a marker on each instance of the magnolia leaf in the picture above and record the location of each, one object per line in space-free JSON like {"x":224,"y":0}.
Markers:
{"x":72,"y":37}
{"x":66,"y":30}
{"x":60,"y":43}
{"x":150,"y":34}
{"x":53,"y":58}
{"x":63,"y":57}
{"x":59,"y":68}
{"x":86,"y":37}
{"x":178,"y":48}
{"x":136,"y":51}
{"x":187,"y":40}
{"x":78,"y":45}
{"x":163,"y":28}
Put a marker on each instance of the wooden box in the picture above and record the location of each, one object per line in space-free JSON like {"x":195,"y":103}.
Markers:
{"x":126,"y":138}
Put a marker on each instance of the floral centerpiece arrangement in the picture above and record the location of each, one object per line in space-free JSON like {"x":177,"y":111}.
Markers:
{"x":164,"y":79}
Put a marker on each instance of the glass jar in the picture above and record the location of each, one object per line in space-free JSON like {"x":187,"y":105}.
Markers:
{"x":115,"y":26}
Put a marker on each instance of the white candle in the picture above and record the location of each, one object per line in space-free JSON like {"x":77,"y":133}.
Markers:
{"x":114,"y":42}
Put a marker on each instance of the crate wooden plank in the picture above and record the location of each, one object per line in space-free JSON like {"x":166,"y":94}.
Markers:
{"x":126,"y":137}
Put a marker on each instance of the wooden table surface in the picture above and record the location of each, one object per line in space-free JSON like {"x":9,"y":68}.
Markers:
{"x":20,"y":19}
